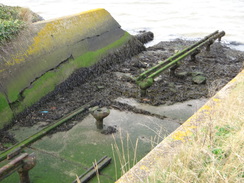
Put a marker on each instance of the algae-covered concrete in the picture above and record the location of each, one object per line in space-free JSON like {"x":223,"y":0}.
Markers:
{"x":63,"y":155}
{"x":48,"y":52}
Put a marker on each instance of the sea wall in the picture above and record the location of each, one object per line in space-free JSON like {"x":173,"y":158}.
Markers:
{"x":49,"y":52}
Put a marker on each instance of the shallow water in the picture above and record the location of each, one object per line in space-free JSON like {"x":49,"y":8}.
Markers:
{"x":167,"y":19}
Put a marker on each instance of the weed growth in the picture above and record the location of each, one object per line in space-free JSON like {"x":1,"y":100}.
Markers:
{"x":13,"y":20}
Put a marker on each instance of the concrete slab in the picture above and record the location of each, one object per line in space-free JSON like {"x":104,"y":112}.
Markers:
{"x":63,"y":155}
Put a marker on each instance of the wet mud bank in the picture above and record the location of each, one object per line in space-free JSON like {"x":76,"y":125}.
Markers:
{"x":101,"y":84}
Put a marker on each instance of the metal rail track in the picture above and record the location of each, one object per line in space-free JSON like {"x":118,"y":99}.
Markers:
{"x":146,"y":79}
{"x":17,"y":148}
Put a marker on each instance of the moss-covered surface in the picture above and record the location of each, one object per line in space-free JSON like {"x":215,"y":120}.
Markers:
{"x":6,"y":113}
{"x":52,"y":51}
{"x":47,"y":83}
{"x":63,"y":155}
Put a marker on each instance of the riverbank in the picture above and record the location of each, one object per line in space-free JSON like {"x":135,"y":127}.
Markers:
{"x":218,"y":66}
{"x":110,"y":83}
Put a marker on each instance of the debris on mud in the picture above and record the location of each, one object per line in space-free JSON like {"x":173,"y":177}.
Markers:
{"x":109,"y":130}
{"x":115,"y":79}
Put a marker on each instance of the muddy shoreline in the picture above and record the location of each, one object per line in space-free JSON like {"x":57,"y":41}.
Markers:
{"x":112,"y":79}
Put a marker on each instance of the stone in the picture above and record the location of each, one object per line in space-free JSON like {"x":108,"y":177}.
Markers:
{"x":199,"y":79}
{"x":182,"y":74}
{"x":196,"y":73}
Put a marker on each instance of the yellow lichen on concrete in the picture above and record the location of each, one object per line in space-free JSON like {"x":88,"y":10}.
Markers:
{"x":217,"y":100}
{"x":144,"y":167}
{"x":60,"y":31}
{"x":182,"y":134}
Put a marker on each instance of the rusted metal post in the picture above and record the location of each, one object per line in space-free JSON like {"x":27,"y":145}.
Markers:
{"x":144,"y":85}
{"x":173,"y":68}
{"x":193,"y":55}
{"x":210,"y":42}
{"x":22,"y":164}
{"x":29,"y":163}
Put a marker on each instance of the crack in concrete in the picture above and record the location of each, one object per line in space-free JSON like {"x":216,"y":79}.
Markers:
{"x":21,"y":97}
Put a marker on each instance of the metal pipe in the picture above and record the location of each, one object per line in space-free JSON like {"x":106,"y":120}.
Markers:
{"x":143,"y":75}
{"x":22,"y":165}
{"x":91,"y":172}
{"x":156,"y":73}
{"x":41,"y":133}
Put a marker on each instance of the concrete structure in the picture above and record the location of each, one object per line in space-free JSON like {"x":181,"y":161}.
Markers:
{"x":148,"y":165}
{"x":48,"y":52}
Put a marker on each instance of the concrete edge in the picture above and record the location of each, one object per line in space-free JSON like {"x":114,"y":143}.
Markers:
{"x":148,"y":164}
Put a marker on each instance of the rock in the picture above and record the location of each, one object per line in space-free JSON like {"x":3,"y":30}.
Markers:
{"x":196,"y":73}
{"x":199,"y":79}
{"x":171,"y":85}
{"x":109,"y":130}
{"x":173,"y":90}
{"x":100,"y":87}
{"x":145,"y":37}
{"x":182,"y":75}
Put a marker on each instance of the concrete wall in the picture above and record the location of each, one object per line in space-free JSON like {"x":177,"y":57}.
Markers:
{"x":48,"y":52}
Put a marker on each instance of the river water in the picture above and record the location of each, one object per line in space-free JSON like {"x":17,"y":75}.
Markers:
{"x":167,"y":19}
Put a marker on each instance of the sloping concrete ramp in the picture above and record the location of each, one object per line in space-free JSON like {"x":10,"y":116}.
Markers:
{"x":47,"y":53}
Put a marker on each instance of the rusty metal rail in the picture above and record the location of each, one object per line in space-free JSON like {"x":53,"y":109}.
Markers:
{"x":15,"y":149}
{"x":146,"y":79}
{"x":22,"y":164}
{"x":92,"y":171}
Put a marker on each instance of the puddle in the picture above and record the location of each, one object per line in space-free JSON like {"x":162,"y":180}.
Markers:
{"x":178,"y":111}
{"x":20,"y":133}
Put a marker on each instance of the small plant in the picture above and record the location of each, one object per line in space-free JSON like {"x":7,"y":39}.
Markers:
{"x":9,"y":29}
{"x":223,"y":131}
{"x":10,"y":22}
{"x":13,"y":20}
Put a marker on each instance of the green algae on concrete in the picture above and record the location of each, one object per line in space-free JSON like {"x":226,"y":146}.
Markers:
{"x":49,"y":168}
{"x":50,"y":51}
{"x":84,"y":143}
{"x":63,"y":155}
{"x":6,"y":113}
{"x":47,"y":83}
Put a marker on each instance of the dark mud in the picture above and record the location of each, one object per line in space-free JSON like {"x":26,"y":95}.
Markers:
{"x":113,"y":79}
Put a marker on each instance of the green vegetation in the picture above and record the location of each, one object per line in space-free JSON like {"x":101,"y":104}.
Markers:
{"x":6,"y":113}
{"x":13,"y":20}
{"x":10,"y":22}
